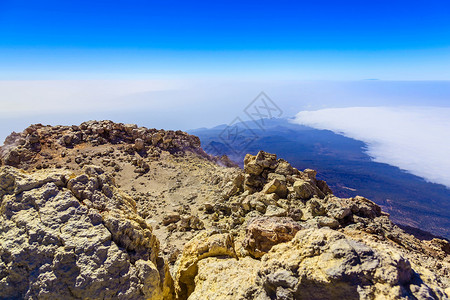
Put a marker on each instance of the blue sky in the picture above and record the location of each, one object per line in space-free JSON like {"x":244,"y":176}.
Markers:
{"x":330,"y":40}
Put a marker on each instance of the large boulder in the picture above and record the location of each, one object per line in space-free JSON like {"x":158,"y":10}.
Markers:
{"x":204,"y":245}
{"x":265,"y":232}
{"x":221,"y":279}
{"x":335,"y":266}
{"x":70,"y":237}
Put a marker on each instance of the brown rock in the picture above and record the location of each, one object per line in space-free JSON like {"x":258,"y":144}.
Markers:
{"x":253,"y":183}
{"x":265,"y":232}
{"x":303,"y":189}
{"x":251,"y":166}
{"x":156,"y":138}
{"x":323,"y":186}
{"x":139,"y":144}
{"x":171,"y":218}
{"x":275,"y":211}
{"x":191,"y":222}
{"x":284,"y":168}
{"x":275,"y":186}
{"x":271,"y":186}
{"x":266,"y":160}
{"x":327,"y":222}
{"x":311,"y":174}
{"x":254,"y":165}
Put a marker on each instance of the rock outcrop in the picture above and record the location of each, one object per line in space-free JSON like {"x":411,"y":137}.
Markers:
{"x":265,"y":232}
{"x":335,"y":266}
{"x":204,"y":245}
{"x":23,"y":149}
{"x":71,"y":237}
{"x":306,"y":243}
{"x":115,"y":211}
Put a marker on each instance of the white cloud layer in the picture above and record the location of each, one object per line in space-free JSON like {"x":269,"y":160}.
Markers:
{"x":415,"y":139}
{"x":74,"y":96}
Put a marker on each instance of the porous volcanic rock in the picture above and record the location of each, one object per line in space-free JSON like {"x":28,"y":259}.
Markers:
{"x":335,"y":266}
{"x":31,"y":146}
{"x":265,"y":232}
{"x":220,"y":278}
{"x":337,"y":248}
{"x":71,"y":237}
{"x":204,"y":245}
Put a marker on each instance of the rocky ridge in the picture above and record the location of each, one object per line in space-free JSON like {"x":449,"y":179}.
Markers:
{"x":109,"y":210}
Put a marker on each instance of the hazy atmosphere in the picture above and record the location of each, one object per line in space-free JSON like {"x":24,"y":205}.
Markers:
{"x":63,"y":63}
{"x":404,"y":123}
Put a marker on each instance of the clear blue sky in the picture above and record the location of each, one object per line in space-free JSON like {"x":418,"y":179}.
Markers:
{"x":397,"y":40}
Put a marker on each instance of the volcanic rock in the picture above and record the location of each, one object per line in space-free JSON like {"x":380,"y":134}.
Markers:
{"x":206,"y":244}
{"x":265,"y":232}
{"x":56,"y":242}
{"x":161,"y":219}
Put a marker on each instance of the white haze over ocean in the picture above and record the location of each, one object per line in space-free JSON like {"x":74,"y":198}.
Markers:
{"x":415,"y":139}
{"x":412,"y":138}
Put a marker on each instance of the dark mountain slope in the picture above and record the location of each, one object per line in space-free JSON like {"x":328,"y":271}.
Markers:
{"x":343,"y":163}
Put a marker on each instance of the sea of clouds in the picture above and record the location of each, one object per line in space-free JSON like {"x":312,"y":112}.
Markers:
{"x":415,"y":139}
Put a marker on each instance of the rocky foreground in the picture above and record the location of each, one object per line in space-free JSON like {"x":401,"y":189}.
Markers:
{"x":106,"y":210}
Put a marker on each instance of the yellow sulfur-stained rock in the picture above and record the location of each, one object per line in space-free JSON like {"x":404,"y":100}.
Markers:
{"x":303,"y":189}
{"x":205,"y":244}
{"x":211,"y":284}
{"x":56,"y":244}
{"x":333,"y":265}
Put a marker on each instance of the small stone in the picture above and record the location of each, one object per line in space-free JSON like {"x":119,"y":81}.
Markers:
{"x":171,"y":218}
{"x":172,"y":227}
{"x":139,"y":144}
{"x":33,"y":138}
{"x":191,"y":222}
{"x":280,"y":177}
{"x":275,"y":186}
{"x":275,"y":211}
{"x":245,"y":204}
{"x":255,"y":203}
{"x":271,"y":186}
{"x":250,"y":165}
{"x":209,"y":209}
{"x":311,"y":174}
{"x":284,"y":168}
{"x":67,"y":139}
{"x":323,"y":186}
{"x":328,"y":222}
{"x":156,"y":138}
{"x":303,"y":189}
